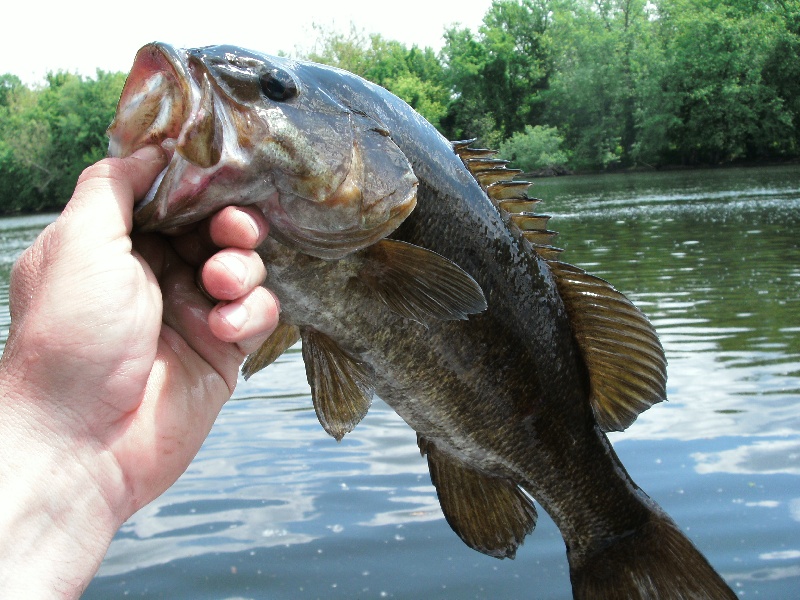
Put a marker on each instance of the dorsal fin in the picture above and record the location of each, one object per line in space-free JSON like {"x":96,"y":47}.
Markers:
{"x":509,"y":190}
{"x":627,"y":366}
{"x":510,"y":197}
{"x":483,"y":163}
{"x":530,"y":222}
{"x":487,"y":177}
{"x":626,"y":363}
{"x":467,"y":153}
{"x":517,"y":206}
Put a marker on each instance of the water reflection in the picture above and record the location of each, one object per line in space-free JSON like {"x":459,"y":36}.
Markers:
{"x":766,"y":457}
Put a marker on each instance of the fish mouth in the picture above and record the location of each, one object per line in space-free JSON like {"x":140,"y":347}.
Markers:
{"x":162,"y":103}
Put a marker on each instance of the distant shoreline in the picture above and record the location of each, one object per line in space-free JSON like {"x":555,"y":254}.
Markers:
{"x":744,"y":164}
{"x":540,"y":174}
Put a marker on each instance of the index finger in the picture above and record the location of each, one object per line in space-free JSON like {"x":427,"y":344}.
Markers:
{"x":243,"y":227}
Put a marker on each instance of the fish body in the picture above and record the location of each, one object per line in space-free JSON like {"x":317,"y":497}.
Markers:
{"x":416,"y":269}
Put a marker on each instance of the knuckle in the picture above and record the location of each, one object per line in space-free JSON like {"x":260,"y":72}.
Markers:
{"x":107,"y":168}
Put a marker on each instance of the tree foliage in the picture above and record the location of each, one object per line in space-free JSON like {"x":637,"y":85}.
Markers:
{"x":48,"y":135}
{"x":593,"y":84}
{"x":497,"y":75}
{"x":537,"y":148}
{"x":624,"y":82}
{"x":414,"y":75}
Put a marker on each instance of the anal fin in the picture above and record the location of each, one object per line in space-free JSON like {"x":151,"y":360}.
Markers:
{"x":420,"y":284}
{"x":341,"y":386}
{"x":490,"y":514}
{"x":283,"y":338}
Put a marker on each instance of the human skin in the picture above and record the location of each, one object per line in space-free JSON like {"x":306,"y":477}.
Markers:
{"x":116,"y":366}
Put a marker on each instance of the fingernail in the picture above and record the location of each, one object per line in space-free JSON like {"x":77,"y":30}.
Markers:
{"x":150,"y":153}
{"x":234,"y":266}
{"x":254,"y":226}
{"x":277,"y":302}
{"x":235,"y":314}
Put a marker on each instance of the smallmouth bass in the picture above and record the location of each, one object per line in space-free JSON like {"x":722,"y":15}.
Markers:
{"x":418,"y":269}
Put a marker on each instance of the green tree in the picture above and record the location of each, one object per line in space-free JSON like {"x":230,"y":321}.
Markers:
{"x":600,"y":78}
{"x":415,"y":74}
{"x":734,"y":98}
{"x":24,"y":139}
{"x":78,"y":111}
{"x":9,"y":86}
{"x":50,"y":134}
{"x":497,"y":75}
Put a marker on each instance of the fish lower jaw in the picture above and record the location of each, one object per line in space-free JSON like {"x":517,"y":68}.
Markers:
{"x":168,"y":146}
{"x":172,"y":193}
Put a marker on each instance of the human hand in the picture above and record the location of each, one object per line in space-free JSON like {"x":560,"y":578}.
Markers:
{"x":115,"y":368}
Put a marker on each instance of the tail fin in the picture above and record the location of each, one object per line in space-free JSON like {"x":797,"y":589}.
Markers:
{"x":655,"y":562}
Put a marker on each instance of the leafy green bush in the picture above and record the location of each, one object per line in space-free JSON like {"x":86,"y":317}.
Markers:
{"x":535,"y":149}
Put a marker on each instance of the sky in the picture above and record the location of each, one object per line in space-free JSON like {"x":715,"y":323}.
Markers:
{"x":83,"y":35}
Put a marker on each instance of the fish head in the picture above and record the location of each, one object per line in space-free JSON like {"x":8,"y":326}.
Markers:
{"x":243,"y":128}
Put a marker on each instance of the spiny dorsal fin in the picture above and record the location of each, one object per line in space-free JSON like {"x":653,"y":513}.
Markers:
{"x":419,"y":284}
{"x":510,"y":197}
{"x":468,"y":153}
{"x":517,"y":206}
{"x":538,"y":237}
{"x":490,"y":514}
{"x":547,"y":252}
{"x":483,"y":163}
{"x":283,"y":338}
{"x":627,"y":366}
{"x":510,"y":190}
{"x":464,"y":150}
{"x":530,"y":222}
{"x":489,"y":176}
{"x":341,"y":386}
{"x":459,"y":144}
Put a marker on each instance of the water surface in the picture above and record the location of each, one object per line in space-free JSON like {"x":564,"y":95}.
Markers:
{"x":274,"y":508}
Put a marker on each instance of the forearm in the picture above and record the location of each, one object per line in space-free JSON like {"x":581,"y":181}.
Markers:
{"x":55,"y":524}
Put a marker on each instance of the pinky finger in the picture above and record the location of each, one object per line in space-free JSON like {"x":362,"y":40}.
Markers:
{"x":247,"y":321}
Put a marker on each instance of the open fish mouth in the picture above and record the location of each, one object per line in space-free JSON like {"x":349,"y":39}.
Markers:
{"x":163,"y":104}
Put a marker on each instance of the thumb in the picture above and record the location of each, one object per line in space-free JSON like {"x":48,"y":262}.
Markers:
{"x":107,"y":190}
{"x":100,"y":211}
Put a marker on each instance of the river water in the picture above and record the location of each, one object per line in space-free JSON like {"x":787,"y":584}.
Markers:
{"x":274,"y":508}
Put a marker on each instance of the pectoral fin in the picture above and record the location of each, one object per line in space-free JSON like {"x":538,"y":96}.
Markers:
{"x":490,"y":514}
{"x":341,"y":386}
{"x":419,"y":284}
{"x":627,"y":366}
{"x":283,"y":338}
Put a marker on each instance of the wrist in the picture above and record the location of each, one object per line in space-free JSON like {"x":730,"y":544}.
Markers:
{"x":56,"y":521}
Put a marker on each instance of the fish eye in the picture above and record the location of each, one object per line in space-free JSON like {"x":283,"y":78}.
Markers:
{"x":278,"y":85}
